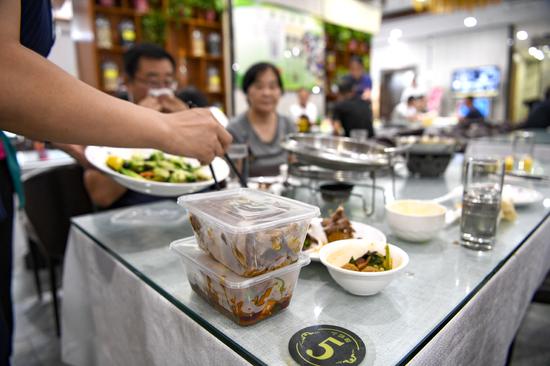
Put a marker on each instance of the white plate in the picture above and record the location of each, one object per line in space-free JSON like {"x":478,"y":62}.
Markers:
{"x":97,"y":156}
{"x":521,"y":196}
{"x":362,"y":231}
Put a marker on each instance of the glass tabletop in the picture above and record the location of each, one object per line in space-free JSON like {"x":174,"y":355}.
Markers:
{"x":394,"y":324}
{"x":542,"y":136}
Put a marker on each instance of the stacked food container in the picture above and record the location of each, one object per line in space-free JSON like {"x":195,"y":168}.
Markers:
{"x":249,"y":251}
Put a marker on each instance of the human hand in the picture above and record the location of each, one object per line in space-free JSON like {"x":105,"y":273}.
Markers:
{"x":366,"y":95}
{"x":194,"y":133}
{"x":151,"y":103}
{"x":171,"y":104}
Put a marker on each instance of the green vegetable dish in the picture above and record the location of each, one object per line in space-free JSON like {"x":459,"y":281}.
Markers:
{"x":157,"y":167}
{"x":370,"y":262}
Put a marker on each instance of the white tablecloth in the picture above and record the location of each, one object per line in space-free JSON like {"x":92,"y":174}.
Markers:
{"x":111,"y":317}
{"x":482,"y":331}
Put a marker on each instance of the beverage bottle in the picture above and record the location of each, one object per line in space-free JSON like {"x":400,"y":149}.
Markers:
{"x":103,"y":32}
{"x":197,"y":43}
{"x":127,"y":33}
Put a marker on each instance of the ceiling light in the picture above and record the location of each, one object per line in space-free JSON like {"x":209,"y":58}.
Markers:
{"x":522,"y":35}
{"x":470,"y":22}
{"x":396,"y":33}
{"x":536,"y":53}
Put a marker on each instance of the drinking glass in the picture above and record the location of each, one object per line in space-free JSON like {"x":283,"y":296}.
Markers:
{"x":238,"y":153}
{"x":359,"y":134}
{"x":483,"y":180}
{"x":522,"y":150}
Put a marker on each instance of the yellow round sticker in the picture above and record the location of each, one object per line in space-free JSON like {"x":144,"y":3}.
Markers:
{"x":326,"y":345}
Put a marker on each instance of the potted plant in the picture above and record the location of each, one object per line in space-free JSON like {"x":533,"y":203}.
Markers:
{"x":209,"y":9}
{"x":154,"y":27}
{"x":344,"y":36}
{"x":180,"y":9}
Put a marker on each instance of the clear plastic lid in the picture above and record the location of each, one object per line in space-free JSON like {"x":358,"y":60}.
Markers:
{"x":189,"y":249}
{"x":246,"y":210}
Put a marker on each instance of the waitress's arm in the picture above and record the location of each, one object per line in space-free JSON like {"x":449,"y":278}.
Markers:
{"x":41,"y":101}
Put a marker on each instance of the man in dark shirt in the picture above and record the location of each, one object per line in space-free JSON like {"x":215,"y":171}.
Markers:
{"x":473,"y":115}
{"x":540,"y":115}
{"x":37,"y":99}
{"x":359,"y":78}
{"x":37,"y":34}
{"x":352,"y":112}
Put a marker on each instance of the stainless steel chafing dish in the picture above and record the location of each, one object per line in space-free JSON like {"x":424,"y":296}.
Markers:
{"x":340,"y":153}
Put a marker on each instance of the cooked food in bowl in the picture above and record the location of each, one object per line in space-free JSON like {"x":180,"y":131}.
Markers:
{"x":335,"y":227}
{"x":415,"y":220}
{"x":157,"y":167}
{"x":371,"y":261}
{"x":337,"y":255}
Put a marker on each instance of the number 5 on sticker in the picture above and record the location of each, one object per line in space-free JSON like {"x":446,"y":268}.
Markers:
{"x":328,"y":350}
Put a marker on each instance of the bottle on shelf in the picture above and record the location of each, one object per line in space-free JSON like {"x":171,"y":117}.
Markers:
{"x":214,"y":44}
{"x":103,"y":32}
{"x":214,"y":80}
{"x":141,"y":6}
{"x":127,"y":33}
{"x":197,"y":43}
{"x":109,"y":70}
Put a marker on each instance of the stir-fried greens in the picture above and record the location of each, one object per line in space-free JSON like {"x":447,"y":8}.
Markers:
{"x":157,"y":167}
{"x":370,"y":262}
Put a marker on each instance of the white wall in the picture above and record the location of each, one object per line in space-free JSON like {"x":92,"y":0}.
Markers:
{"x":436,"y":57}
{"x":63,"y":53}
{"x":438,"y":44}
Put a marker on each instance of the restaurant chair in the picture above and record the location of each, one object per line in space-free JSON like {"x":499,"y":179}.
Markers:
{"x":52,"y":198}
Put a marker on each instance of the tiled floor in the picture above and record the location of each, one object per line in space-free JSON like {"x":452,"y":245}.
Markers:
{"x":37,"y":345}
{"x":35,"y":342}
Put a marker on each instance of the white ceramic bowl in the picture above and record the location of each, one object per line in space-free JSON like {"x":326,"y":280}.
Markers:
{"x":334,"y":255}
{"x":97,"y":155}
{"x":415,"y":220}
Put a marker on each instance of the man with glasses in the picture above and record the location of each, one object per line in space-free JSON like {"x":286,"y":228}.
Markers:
{"x":150,"y":78}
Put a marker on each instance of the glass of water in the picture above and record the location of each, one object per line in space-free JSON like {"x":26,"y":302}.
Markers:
{"x":359,"y":134}
{"x":522,"y":150}
{"x":238,"y":153}
{"x":483,"y":180}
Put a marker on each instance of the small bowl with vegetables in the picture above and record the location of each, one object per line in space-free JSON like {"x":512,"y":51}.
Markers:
{"x":362,"y":267}
{"x":153,"y":172}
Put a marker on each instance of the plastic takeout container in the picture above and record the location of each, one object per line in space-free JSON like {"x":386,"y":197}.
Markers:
{"x":244,"y":300}
{"x":249,"y":231}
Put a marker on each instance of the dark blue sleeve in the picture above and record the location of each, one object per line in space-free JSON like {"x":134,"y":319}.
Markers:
{"x":37,"y":31}
{"x":473,"y":113}
{"x":366,"y":82}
